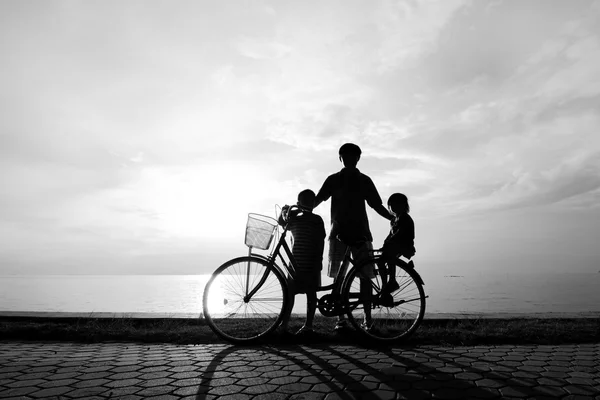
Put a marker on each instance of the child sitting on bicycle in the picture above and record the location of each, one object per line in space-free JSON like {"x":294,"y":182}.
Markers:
{"x":400,"y":240}
{"x":308,"y":232}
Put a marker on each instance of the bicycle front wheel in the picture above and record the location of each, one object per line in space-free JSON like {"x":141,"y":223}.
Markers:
{"x":384,"y":318}
{"x":244,"y":300}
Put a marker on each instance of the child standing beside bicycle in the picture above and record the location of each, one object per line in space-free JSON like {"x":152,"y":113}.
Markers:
{"x":308,"y":232}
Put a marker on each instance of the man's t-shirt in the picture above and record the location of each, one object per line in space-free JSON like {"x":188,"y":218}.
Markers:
{"x":349,"y":189}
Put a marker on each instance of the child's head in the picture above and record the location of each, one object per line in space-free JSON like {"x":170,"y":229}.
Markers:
{"x":306,"y":199}
{"x":398,"y":204}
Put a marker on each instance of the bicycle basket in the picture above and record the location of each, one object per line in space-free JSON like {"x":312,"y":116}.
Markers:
{"x":260,"y":231}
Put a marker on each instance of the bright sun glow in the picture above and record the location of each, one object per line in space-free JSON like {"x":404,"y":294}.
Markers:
{"x":209,"y":201}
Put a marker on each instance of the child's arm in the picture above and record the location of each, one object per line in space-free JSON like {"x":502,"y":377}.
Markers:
{"x":281,"y":220}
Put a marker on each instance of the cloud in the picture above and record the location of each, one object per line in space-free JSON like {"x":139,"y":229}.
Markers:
{"x":261,"y":49}
{"x":408,"y":30}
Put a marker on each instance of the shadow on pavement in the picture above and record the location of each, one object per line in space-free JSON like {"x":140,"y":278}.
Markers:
{"x":354,"y":372}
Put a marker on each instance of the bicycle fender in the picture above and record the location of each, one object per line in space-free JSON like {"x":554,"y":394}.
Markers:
{"x":410,"y":266}
{"x":418,"y":277}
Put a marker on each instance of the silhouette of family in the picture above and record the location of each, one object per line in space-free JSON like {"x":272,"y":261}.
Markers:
{"x":350,"y":190}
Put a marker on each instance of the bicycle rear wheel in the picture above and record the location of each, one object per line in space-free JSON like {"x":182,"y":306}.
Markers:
{"x":386,"y":320}
{"x":244,"y":300}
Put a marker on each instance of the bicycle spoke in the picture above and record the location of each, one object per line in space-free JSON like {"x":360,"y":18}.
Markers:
{"x":225,"y":300}
{"x":388,"y":316}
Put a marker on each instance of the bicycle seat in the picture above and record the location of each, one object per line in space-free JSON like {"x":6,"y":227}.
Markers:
{"x":352,"y":242}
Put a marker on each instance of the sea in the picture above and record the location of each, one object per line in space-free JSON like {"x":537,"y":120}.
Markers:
{"x":481,"y":294}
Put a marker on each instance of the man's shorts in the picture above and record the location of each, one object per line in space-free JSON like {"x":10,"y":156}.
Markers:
{"x":337,"y":250}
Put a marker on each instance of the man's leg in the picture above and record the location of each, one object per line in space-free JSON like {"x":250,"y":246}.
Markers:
{"x":368,"y":273}
{"x":366,"y":294}
{"x":337,"y":251}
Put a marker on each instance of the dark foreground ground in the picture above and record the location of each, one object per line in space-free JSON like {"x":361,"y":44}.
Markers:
{"x":451,"y":332}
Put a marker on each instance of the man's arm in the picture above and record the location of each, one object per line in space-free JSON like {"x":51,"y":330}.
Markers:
{"x":324,"y":193}
{"x":374,"y":200}
{"x":381,"y":210}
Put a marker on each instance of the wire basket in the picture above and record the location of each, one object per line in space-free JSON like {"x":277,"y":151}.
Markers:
{"x":260,"y":231}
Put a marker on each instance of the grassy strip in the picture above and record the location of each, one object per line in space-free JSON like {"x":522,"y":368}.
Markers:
{"x":194,"y":331}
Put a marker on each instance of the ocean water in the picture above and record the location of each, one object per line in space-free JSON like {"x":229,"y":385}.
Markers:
{"x":182,"y":294}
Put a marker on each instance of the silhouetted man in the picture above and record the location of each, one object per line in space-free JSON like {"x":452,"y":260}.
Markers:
{"x":349,"y":190}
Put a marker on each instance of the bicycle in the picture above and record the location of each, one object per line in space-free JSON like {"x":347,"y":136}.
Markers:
{"x":245,"y":298}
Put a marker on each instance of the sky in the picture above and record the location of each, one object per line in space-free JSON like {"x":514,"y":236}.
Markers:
{"x":136,"y":136}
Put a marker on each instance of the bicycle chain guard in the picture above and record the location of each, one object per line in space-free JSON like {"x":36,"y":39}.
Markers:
{"x":329,"y":306}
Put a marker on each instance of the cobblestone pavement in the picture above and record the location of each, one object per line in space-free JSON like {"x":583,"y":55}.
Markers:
{"x":167,"y":371}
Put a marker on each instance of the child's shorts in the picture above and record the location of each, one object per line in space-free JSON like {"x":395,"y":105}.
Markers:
{"x":337,"y":250}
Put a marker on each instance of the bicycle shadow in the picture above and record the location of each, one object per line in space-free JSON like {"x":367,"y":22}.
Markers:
{"x":349,"y":372}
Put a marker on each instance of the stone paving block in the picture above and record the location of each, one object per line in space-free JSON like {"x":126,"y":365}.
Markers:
{"x":187,"y":391}
{"x":548,"y":381}
{"x":88,"y":392}
{"x":456,"y":384}
{"x":258,"y":389}
{"x":482,"y":393}
{"x":184,"y":375}
{"x":58,"y":382}
{"x":18,"y":392}
{"x":468,"y":376}
{"x":294,"y":388}
{"x":514,"y":392}
{"x":187,"y":368}
{"x":9,"y":375}
{"x":155,"y":391}
{"x":138,"y":375}
{"x":122,"y":383}
{"x":187,"y":382}
{"x":127,"y":368}
{"x":163,"y":397}
{"x":428,"y":385}
{"x":448,"y":393}
{"x":156,"y":382}
{"x":91,"y":383}
{"x":270,"y":396}
{"x":413,"y":394}
{"x":229,"y":389}
{"x":580,"y":390}
{"x":96,"y":368}
{"x":25,"y":383}
{"x":307,"y":396}
{"x":41,"y":370}
{"x":129,"y":397}
{"x":52,"y":392}
{"x":551,"y":391}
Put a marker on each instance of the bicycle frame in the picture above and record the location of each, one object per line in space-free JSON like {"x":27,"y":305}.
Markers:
{"x":271,"y":259}
{"x":290,"y":267}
